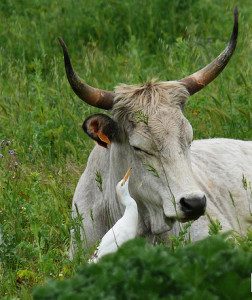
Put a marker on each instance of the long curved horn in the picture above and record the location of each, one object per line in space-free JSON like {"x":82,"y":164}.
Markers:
{"x":95,"y":97}
{"x":201,"y":78}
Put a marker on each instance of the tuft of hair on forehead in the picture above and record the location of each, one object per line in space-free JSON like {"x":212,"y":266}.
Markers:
{"x":148,"y":98}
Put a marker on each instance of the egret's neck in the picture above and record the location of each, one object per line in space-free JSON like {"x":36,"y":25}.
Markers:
{"x":132,"y":204}
{"x":127,"y":200}
{"x":131,"y":210}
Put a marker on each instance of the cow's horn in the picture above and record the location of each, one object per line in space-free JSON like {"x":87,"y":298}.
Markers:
{"x":95,"y":97}
{"x":201,"y":78}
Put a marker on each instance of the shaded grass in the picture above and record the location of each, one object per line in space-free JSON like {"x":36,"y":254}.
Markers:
{"x":211,"y":269}
{"x":110,"y":42}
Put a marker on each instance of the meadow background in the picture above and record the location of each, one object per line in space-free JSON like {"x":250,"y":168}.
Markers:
{"x":43,"y":149}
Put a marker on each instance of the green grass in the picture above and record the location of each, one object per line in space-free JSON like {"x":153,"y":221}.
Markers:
{"x":209,"y":269}
{"x":110,"y":42}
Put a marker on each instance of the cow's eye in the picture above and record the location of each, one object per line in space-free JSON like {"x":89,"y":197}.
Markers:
{"x":140,"y":150}
{"x":137,"y":149}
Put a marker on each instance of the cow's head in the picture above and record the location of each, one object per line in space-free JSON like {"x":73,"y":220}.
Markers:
{"x":148,"y":131}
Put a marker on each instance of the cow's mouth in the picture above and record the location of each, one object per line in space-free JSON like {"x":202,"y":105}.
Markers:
{"x":169,"y":221}
{"x":184,"y":220}
{"x":190,"y":209}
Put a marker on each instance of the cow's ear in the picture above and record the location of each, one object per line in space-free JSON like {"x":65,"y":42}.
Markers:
{"x":101,"y":128}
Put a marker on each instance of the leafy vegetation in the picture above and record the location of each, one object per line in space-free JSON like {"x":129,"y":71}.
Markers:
{"x":210,"y":269}
{"x":44,"y":149}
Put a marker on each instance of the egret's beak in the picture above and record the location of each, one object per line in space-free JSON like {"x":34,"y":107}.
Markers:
{"x":126,"y":176}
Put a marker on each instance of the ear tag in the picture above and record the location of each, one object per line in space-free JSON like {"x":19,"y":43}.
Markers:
{"x":103,"y":137}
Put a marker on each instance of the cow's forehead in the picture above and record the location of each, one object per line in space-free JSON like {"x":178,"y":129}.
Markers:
{"x":162,"y":131}
{"x":153,"y":108}
{"x":135,"y":101}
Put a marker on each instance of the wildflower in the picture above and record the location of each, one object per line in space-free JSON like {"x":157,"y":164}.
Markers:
{"x":1,"y":155}
{"x":11,"y":152}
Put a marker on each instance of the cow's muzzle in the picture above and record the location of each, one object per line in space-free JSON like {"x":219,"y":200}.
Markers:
{"x":193,"y":207}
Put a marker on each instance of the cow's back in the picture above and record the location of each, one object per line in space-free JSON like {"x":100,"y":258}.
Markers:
{"x":223,"y":169}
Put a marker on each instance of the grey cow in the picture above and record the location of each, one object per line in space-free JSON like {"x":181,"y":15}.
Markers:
{"x":174,"y":178}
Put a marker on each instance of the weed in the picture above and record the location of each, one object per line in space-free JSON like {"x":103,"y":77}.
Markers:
{"x":98,"y":179}
{"x":213,"y":268}
{"x":141,"y":117}
{"x":152,"y":170}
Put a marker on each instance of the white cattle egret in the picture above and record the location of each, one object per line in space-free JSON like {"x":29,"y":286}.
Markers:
{"x":125,"y":228}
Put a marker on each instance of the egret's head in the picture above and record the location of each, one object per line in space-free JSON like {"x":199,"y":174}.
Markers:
{"x":122,"y":188}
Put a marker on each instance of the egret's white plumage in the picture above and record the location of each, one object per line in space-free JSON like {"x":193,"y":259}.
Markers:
{"x":125,"y":228}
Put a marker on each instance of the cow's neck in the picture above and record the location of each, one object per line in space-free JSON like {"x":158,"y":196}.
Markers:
{"x":116,"y":168}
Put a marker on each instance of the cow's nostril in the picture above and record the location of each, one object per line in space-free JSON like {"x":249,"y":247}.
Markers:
{"x":203,"y":201}
{"x":185,"y":204}
{"x":193,"y":207}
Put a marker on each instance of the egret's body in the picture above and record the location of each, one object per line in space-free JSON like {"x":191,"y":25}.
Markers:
{"x":125,"y":228}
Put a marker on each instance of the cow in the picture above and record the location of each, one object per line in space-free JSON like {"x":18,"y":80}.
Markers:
{"x":174,"y":179}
